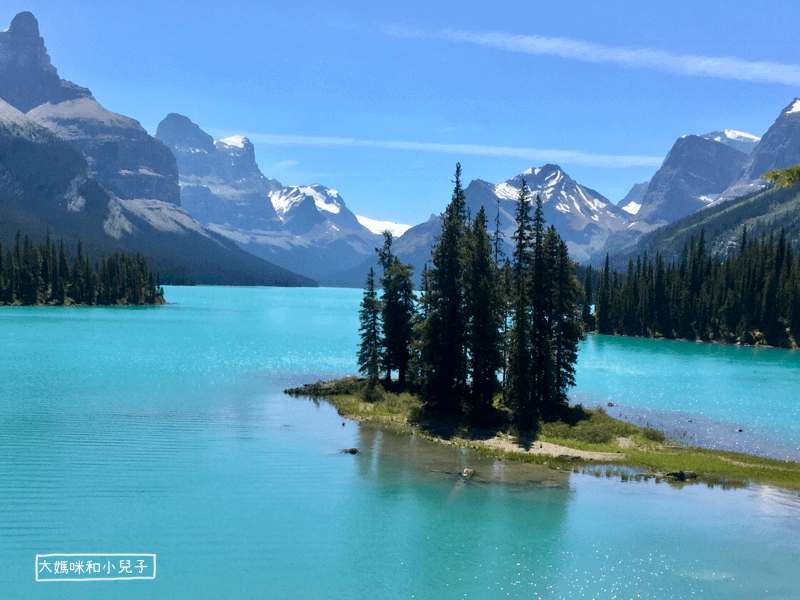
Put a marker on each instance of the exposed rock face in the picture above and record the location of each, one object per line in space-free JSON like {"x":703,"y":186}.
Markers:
{"x":220,"y":181}
{"x":121,"y":154}
{"x":779,"y":148}
{"x":27,"y":79}
{"x":694,"y":173}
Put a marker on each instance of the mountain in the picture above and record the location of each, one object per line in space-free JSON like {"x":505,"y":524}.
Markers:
{"x":779,"y":148}
{"x":583,"y":218}
{"x":121,"y":154}
{"x":220,"y":181}
{"x":738,"y":140}
{"x":694,"y":173}
{"x":70,"y":166}
{"x":765,"y":212}
{"x":26,"y":75}
{"x":46,"y":185}
{"x":307,"y":229}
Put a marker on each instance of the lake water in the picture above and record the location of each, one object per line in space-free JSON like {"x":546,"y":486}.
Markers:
{"x":165,"y":431}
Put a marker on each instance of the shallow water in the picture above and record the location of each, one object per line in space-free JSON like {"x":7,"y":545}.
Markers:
{"x":164,"y":430}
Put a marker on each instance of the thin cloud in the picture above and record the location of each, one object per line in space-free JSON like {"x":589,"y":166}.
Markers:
{"x":284,"y":164}
{"x":564,"y":157}
{"x":727,"y":67}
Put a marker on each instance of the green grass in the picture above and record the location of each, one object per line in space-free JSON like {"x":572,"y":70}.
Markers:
{"x":645,"y":449}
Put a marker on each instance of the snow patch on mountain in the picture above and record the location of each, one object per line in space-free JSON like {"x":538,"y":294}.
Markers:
{"x":739,"y":140}
{"x":632,"y":207}
{"x":795,"y":107}
{"x":239,"y":141}
{"x":283,"y":200}
{"x":379,"y":227}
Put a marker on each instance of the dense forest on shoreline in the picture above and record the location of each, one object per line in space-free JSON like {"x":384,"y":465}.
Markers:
{"x":488,"y":339}
{"x":751,"y":297}
{"x":41,"y":275}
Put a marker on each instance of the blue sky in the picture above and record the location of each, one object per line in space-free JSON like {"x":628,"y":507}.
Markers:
{"x":380,"y":100}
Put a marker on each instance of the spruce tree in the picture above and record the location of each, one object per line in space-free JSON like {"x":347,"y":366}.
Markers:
{"x":398,"y":312}
{"x":520,"y":374}
{"x":541,"y":299}
{"x":484,"y":313}
{"x":443,"y":334}
{"x":603,"y":307}
{"x":370,"y":330}
{"x":565,"y":325}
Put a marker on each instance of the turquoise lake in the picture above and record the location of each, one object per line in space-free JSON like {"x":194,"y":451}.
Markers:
{"x":164,"y":430}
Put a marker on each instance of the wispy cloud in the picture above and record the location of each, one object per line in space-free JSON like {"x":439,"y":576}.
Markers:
{"x":563,"y":157}
{"x":727,"y":67}
{"x":284,"y":164}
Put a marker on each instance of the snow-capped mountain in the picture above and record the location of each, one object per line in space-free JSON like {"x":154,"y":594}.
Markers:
{"x":778,"y":148}
{"x":582,"y":217}
{"x":307,"y":229}
{"x":302,"y":208}
{"x":738,"y":140}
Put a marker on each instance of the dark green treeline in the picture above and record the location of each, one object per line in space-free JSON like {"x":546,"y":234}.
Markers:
{"x":45,"y":275}
{"x":487,"y":339}
{"x":750,"y":297}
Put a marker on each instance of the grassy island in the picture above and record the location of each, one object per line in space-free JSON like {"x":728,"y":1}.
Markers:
{"x":578,"y":440}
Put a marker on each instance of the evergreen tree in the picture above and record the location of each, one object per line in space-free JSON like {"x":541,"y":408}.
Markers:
{"x":444,"y":331}
{"x":370,"y":330}
{"x":541,"y":307}
{"x":603,"y":308}
{"x":565,"y":325}
{"x":398,"y":311}
{"x":520,"y":373}
{"x":586,"y":307}
{"x":484,"y":313}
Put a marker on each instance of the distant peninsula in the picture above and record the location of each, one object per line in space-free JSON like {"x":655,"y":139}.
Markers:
{"x":41,"y":275}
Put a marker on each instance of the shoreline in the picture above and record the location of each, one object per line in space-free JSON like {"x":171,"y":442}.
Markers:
{"x":697,"y":341}
{"x":636,"y":453}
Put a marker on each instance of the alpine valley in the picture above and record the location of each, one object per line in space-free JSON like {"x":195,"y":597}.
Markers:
{"x":202,"y":211}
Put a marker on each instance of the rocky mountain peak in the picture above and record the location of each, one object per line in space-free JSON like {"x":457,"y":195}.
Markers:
{"x":24,"y":24}
{"x":694,"y":173}
{"x":779,"y":148}
{"x":27,"y":78}
{"x":181,"y":134}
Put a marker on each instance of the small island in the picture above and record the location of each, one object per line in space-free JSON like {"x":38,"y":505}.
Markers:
{"x":486,"y":352}
{"x":582,"y":441}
